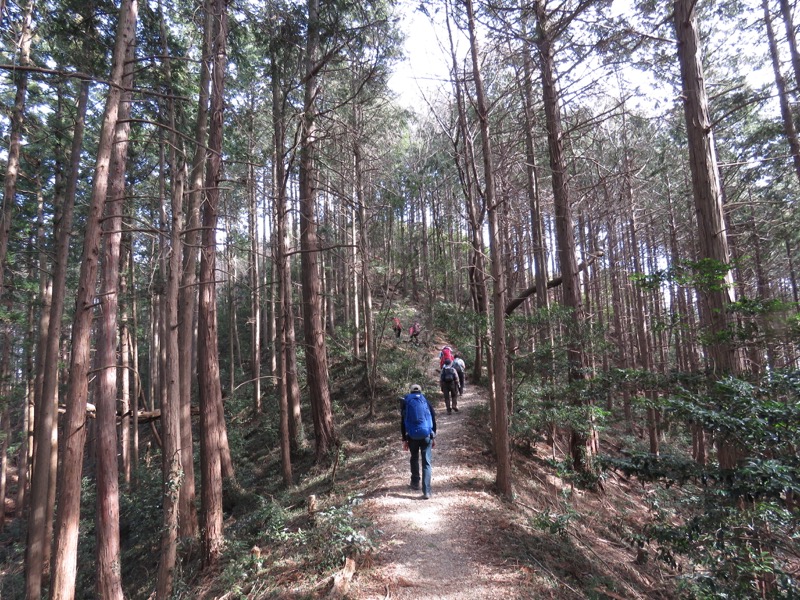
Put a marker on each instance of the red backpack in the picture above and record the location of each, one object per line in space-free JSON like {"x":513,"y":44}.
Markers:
{"x":446,"y":354}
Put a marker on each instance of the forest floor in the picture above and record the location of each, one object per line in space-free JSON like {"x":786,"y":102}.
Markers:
{"x":553,"y":541}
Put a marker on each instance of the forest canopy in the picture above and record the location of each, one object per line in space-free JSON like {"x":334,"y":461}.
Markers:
{"x":211,"y":210}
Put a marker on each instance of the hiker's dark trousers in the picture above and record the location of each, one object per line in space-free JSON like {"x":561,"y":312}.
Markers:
{"x":421,"y":449}
{"x":450,"y":391}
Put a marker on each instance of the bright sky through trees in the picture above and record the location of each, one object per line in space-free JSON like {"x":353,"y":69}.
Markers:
{"x":425,"y":70}
{"x":427,"y":64}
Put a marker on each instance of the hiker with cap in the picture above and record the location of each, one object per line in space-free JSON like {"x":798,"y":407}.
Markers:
{"x":418,"y":427}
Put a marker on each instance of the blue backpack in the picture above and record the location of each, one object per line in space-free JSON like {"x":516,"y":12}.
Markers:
{"x":418,"y":422}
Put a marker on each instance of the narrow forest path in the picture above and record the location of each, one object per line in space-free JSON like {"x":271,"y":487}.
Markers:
{"x":439,"y":548}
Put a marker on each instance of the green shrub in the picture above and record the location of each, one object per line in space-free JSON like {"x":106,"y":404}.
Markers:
{"x":736,"y":528}
{"x":339,"y":534}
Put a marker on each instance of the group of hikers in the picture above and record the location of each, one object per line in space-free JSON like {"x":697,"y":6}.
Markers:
{"x":451,"y":377}
{"x":418,"y":418}
{"x":413,"y":331}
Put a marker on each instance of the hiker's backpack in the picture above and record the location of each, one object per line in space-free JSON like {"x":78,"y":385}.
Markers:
{"x":459,"y":365}
{"x":449,"y":373}
{"x":418,"y":421}
{"x":445,"y":355}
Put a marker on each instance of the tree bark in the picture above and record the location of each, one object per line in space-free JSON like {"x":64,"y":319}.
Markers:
{"x":109,"y":581}
{"x":465,"y":163}
{"x":789,"y":129}
{"x":371,"y":349}
{"x":255,"y":300}
{"x":172,"y":468}
{"x":187,"y":512}
{"x":136,"y":387}
{"x":641,"y":318}
{"x":286,"y":296}
{"x":9,"y":203}
{"x":125,"y":372}
{"x":36,"y":366}
{"x":314,"y":331}
{"x":284,"y":322}
{"x":170,"y":406}
{"x":712,"y":232}
{"x":502,"y":449}
{"x":212,"y":421}
{"x":62,"y":585}
{"x":580,"y":443}
{"x":531,"y":174}
{"x":5,"y":422}
{"x":622,"y":360}
{"x":15,"y":138}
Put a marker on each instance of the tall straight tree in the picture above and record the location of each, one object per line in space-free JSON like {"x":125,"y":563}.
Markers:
{"x":172,"y":467}
{"x":546,"y":34}
{"x":531,"y":177}
{"x":284,"y":339}
{"x":15,"y":141}
{"x":46,"y":394}
{"x":313,"y":329}
{"x":109,"y":583}
{"x":287,"y":37}
{"x":62,"y":584}
{"x":476,"y":211}
{"x":170,"y":409}
{"x":707,"y":192}
{"x":6,"y":216}
{"x":212,"y":422}
{"x":501,"y":443}
{"x":255,"y":285}
{"x":789,"y":129}
{"x":187,"y":512}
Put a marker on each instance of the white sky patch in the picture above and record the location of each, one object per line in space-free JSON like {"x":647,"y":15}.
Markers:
{"x":426,"y":68}
{"x":621,"y":7}
{"x":427,"y":64}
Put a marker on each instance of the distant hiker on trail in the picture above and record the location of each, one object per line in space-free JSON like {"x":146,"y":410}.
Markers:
{"x":398,"y":328}
{"x":418,"y":426}
{"x":445,"y":355}
{"x":448,"y":381}
{"x":413,"y":332}
{"x":460,"y":367}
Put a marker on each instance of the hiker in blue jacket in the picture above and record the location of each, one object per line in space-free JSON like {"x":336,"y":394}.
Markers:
{"x":418,"y":427}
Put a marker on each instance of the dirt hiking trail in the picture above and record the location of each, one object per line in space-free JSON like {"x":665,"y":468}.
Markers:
{"x":439,"y":548}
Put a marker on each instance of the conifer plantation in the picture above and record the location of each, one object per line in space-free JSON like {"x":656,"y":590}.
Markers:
{"x":212,"y":211}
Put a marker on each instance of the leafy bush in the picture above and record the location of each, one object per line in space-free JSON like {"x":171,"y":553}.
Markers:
{"x":556,"y":523}
{"x":459,"y":324}
{"x":738,"y":526}
{"x":539,"y":408}
{"x":401,"y":368}
{"x":339,"y":534}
